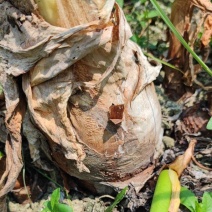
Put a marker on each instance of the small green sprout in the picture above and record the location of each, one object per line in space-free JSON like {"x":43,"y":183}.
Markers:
{"x":1,"y":155}
{"x":189,"y":200}
{"x":209,"y":124}
{"x":53,"y":205}
{"x":118,"y":199}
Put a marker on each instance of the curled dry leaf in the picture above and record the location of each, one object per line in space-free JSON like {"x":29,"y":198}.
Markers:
{"x":192,"y":122}
{"x":188,"y":23}
{"x":182,"y":161}
{"x":71,"y":77}
{"x":136,"y":181}
{"x":203,"y":4}
{"x":175,"y":197}
{"x":200,"y":165}
{"x":206,"y":37}
{"x":15,"y":109}
{"x":3,"y":204}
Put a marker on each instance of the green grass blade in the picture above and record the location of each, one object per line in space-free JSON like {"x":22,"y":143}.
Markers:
{"x":47,"y":177}
{"x":118,"y":198}
{"x":162,"y":62}
{"x":179,"y":37}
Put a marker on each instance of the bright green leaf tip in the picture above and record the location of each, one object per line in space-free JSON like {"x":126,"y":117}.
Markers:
{"x":54,"y":205}
{"x":120,"y":2}
{"x":1,"y":155}
{"x":189,"y":200}
{"x":209,"y":124}
{"x":118,"y":198}
{"x":162,"y":193}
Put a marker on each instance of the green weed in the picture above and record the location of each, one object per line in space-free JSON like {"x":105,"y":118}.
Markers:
{"x":54,"y":205}
{"x":190,"y":201}
{"x":118,"y":198}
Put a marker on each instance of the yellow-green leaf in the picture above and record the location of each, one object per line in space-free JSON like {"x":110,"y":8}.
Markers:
{"x":162,"y":194}
{"x":175,"y":198}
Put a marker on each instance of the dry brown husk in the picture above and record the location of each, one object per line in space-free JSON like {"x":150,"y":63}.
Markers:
{"x":71,"y":76}
{"x":188,"y":16}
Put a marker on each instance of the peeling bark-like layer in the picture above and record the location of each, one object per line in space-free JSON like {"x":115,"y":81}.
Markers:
{"x":71,"y":78}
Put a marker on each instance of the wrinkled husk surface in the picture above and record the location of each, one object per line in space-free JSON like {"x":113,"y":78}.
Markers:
{"x":59,"y":85}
